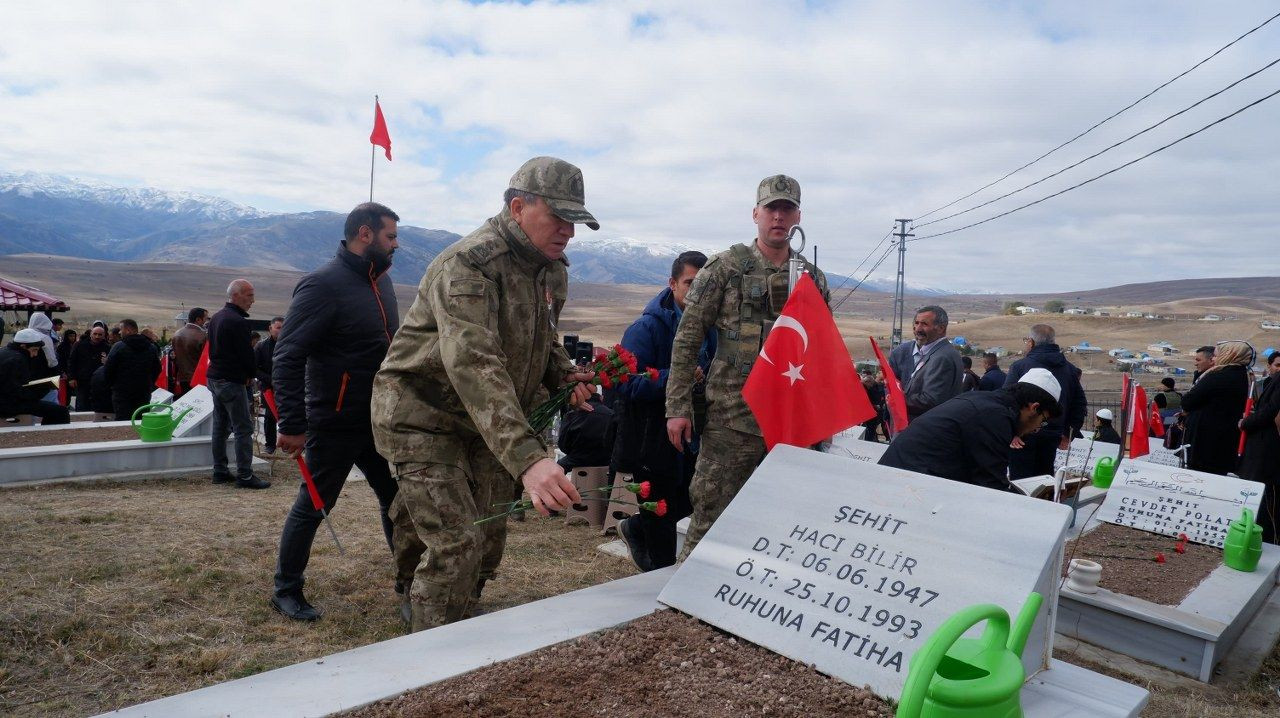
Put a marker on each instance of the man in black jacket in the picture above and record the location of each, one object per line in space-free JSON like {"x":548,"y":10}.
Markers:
{"x":17,"y":398}
{"x":1034,"y":455}
{"x":132,"y":366}
{"x":86,"y":356}
{"x":231,"y":368}
{"x":262,"y":357}
{"x":334,"y":338}
{"x":967,"y":438}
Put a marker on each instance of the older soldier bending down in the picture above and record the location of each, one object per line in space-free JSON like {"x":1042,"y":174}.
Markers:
{"x":463,"y":372}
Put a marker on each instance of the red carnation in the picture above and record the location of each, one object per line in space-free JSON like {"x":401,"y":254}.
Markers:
{"x":645,"y":488}
{"x":1160,"y":557}
{"x":659,"y":507}
{"x":653,"y":373}
{"x":606,"y":381}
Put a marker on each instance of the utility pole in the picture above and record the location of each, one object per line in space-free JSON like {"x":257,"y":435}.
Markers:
{"x":899,"y":288}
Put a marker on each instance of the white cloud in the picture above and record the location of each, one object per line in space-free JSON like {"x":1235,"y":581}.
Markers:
{"x":880,"y":109}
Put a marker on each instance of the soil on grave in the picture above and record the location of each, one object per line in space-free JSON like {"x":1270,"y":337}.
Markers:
{"x":665,"y":664}
{"x":1129,"y":565}
{"x":58,"y":437}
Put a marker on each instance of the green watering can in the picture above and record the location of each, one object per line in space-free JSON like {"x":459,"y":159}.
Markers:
{"x":954,"y":677}
{"x":157,"y":425}
{"x":1243,"y":547}
{"x":1104,"y":472}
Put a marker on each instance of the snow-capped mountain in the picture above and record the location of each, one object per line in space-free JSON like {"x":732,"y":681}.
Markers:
{"x":31,"y":185}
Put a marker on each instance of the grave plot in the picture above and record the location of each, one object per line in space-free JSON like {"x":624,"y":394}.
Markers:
{"x":85,"y":449}
{"x":1183,"y":612}
{"x":938,"y":545}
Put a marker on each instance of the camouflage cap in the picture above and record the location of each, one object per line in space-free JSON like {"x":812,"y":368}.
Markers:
{"x":557,"y":182}
{"x":778,"y":187}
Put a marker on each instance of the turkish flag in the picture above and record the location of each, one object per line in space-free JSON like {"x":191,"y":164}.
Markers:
{"x":803,"y":387}
{"x":380,"y":136}
{"x":1157,"y":421}
{"x":1138,"y":442}
{"x":200,"y":375}
{"x":894,"y":397}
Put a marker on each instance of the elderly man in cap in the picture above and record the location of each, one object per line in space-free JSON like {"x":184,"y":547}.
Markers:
{"x":15,"y":371}
{"x":967,"y":438}
{"x":738,"y":294}
{"x":461,"y":376}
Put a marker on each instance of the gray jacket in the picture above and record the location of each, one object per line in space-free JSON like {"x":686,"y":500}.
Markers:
{"x":940,"y":376}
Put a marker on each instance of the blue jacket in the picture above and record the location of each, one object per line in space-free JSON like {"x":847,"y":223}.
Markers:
{"x":1072,"y":401}
{"x":641,"y":409}
{"x":992,"y":379}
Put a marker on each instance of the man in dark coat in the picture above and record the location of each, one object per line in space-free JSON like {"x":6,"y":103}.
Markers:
{"x":967,"y":439}
{"x":1261,"y":460}
{"x":642,"y":451}
{"x":131,"y":370}
{"x":1214,"y":407}
{"x":1034,"y":455}
{"x":970,"y":381}
{"x":231,"y":368}
{"x":262,"y":357}
{"x":86,"y":356}
{"x":335,"y":336}
{"x":15,"y":371}
{"x":992,"y":376}
{"x":586,"y":437}
{"x":1105,"y":432}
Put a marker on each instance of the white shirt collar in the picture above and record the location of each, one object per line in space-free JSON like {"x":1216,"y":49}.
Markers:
{"x":927,"y":348}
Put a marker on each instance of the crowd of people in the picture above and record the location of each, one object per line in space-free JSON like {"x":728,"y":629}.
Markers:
{"x":432,"y":409}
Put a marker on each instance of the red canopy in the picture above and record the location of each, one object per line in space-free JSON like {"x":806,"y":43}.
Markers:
{"x":19,"y":297}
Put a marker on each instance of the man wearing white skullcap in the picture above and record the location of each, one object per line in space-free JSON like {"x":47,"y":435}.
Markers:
{"x":967,"y":438}
{"x":1105,"y":431}
{"x":15,"y":371}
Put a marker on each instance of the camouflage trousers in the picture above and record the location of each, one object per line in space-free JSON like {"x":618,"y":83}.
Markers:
{"x":440,"y":554}
{"x":727,"y":460}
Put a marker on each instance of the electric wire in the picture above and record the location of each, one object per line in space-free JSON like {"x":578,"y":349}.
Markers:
{"x":864,"y":261}
{"x":888,"y":250}
{"x":1108,"y":172}
{"x":1104,"y":120}
{"x":1105,"y":150}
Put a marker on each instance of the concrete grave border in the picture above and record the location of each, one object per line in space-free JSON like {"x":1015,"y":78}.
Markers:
{"x":364,"y":675}
{"x":104,"y":458}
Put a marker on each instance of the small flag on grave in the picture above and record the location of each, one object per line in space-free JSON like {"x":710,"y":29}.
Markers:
{"x":896,"y":400}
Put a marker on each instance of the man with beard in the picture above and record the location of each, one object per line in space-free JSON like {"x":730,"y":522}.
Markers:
{"x":334,"y":337}
{"x":930,"y":368}
{"x":188,"y":344}
{"x":86,"y":356}
{"x":132,"y":366}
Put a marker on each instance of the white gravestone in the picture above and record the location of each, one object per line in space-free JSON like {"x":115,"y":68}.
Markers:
{"x":1172,"y":501}
{"x":851,"y":566}
{"x":851,"y":448}
{"x":161,"y":396}
{"x":199,"y":422}
{"x":1084,"y":455}
{"x":1162,"y":456}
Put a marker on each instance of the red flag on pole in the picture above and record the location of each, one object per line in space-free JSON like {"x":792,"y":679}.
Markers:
{"x":894,"y":397}
{"x":200,"y":375}
{"x":1157,"y":421}
{"x":803,"y":387}
{"x":380,"y":136}
{"x":1139,"y":444}
{"x":162,"y":379}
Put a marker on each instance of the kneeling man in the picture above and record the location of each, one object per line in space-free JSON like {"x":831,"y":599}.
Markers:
{"x":967,"y":438}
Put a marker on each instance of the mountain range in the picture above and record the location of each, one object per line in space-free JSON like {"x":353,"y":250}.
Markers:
{"x":50,"y":214}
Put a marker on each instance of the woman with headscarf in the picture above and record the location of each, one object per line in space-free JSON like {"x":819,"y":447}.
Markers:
{"x":1214,"y":407}
{"x":1261,"y":460}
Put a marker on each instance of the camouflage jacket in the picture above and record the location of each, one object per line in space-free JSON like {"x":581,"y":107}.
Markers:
{"x":731,"y":293}
{"x":473,"y":353}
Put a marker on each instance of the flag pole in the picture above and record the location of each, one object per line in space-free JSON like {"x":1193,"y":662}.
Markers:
{"x":371,"y":154}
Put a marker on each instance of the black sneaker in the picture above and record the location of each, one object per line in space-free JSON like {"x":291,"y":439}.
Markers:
{"x":635,"y":544}
{"x":223,"y":479}
{"x":253,"y":482}
{"x":295,"y":606}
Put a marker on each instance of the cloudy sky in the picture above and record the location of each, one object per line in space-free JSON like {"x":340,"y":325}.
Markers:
{"x":675,"y":110}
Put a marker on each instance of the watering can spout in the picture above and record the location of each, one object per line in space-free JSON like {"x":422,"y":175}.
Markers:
{"x":1022,"y":625}
{"x":178,"y":419}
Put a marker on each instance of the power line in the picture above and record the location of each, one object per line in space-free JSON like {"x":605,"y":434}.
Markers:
{"x":888,"y":250}
{"x":849,"y":276}
{"x":1101,"y":152}
{"x":1108,"y":172}
{"x":1104,"y":120}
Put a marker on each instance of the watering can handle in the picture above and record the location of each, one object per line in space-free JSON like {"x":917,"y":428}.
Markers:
{"x":133,"y":420}
{"x":925,"y":663}
{"x":1246,"y":517}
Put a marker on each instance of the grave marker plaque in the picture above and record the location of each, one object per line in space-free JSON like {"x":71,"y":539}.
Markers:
{"x":851,"y":566}
{"x":857,"y":449}
{"x":1084,"y":455}
{"x":196,"y":423}
{"x":1172,"y":501}
{"x":161,"y":396}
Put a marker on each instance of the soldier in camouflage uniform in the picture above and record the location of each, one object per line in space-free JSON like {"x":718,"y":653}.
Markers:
{"x":737,"y":294}
{"x":463,"y":372}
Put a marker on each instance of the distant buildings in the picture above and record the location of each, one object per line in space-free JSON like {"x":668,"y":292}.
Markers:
{"x":1077,"y":311}
{"x":1211,"y":318}
{"x":1024,"y":309}
{"x":1270,"y":324}
{"x":1164,"y":348}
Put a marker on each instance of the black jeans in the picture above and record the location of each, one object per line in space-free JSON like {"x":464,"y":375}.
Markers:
{"x":330,"y":456}
{"x":83,"y":400}
{"x":658,"y":533}
{"x":1036,"y":457}
{"x":231,"y":414}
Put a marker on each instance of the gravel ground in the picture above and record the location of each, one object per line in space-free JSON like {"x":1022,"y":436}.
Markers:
{"x":1129,"y":566}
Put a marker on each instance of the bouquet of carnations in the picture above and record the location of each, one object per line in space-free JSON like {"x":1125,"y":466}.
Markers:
{"x":615,"y":369}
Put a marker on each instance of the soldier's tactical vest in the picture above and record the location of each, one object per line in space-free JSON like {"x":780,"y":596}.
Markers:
{"x":762,"y":292}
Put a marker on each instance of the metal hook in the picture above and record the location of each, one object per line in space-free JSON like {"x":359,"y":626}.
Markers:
{"x":795,"y":228}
